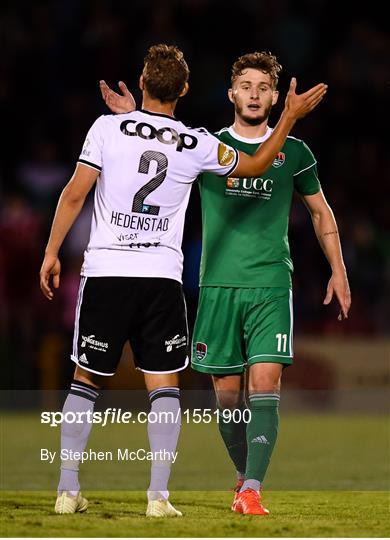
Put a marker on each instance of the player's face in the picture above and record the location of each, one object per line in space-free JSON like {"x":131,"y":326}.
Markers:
{"x":253,"y":96}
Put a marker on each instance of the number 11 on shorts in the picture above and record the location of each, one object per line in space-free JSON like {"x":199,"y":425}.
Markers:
{"x":282,"y":342}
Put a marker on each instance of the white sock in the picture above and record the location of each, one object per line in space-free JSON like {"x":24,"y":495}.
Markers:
{"x":163,"y":435}
{"x":74,"y":436}
{"x":157,"y":495}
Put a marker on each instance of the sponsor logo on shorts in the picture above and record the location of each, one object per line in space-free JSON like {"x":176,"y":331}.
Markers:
{"x":225,"y":155}
{"x":176,"y":342}
{"x":91,"y":343}
{"x":279,"y":160}
{"x":200,"y":350}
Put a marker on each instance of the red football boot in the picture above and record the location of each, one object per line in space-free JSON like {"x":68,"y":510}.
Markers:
{"x":249,"y":502}
{"x":236,"y":492}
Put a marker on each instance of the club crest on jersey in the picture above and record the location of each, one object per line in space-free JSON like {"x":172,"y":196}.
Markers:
{"x":225,"y":155}
{"x":279,"y":160}
{"x":200,"y":350}
{"x":232,"y":183}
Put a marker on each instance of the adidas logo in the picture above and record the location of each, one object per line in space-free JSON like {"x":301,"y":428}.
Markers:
{"x":261,"y":439}
{"x":83,"y":359}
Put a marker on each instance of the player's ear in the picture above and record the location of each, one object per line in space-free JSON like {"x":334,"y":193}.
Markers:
{"x":141,"y":83}
{"x":230,"y":95}
{"x":275,"y":95}
{"x":185,"y":90}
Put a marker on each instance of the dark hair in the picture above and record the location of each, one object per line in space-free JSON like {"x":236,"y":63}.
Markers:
{"x":165,"y":72}
{"x":263,"y":61}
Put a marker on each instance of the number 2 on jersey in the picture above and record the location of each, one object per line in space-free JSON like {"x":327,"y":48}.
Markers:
{"x":282,"y":342}
{"x":147,"y":157}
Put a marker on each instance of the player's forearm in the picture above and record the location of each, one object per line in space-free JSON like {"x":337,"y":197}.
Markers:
{"x":266,"y":153}
{"x":269,"y":149}
{"x":68,"y":209}
{"x":326,"y":229}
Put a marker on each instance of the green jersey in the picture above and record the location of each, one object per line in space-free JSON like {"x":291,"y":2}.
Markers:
{"x":245,"y":220}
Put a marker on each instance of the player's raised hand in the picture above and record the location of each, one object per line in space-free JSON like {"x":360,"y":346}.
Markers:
{"x":299,"y":105}
{"x":338,"y":285}
{"x":51,"y":266}
{"x":115,"y":102}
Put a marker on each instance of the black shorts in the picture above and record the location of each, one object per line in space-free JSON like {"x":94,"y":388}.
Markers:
{"x":149,"y":312}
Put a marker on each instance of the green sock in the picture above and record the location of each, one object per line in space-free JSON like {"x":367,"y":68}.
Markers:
{"x":234,"y":437}
{"x":261,"y":432}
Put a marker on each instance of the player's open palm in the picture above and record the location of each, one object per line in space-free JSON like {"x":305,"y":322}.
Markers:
{"x":50,"y":270}
{"x":299,"y":105}
{"x":115,"y":102}
{"x":338,"y":286}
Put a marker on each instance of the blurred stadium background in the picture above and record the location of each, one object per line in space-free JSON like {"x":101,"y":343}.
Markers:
{"x":53,"y":55}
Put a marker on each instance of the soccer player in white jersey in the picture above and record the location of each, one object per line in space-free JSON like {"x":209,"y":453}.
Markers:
{"x":144,"y":164}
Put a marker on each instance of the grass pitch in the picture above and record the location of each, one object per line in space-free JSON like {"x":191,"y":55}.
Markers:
{"x":207,"y":514}
{"x":328,"y":477}
{"x":323,"y":452}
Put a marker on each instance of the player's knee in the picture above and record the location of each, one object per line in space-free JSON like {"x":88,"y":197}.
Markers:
{"x":265,"y":378}
{"x":265,"y":382}
{"x":229,"y":399}
{"x":87,"y":377}
{"x":266,"y":385}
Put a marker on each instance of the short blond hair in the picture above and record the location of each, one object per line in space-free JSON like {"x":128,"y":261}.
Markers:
{"x":263,"y":61}
{"x":165,"y":72}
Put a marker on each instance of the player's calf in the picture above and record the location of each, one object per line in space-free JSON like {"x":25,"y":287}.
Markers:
{"x":163,"y":430}
{"x":74,"y":437}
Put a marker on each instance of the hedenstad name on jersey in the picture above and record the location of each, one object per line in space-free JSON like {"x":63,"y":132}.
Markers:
{"x":142,"y":223}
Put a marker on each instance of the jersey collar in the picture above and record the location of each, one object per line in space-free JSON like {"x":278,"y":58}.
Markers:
{"x":159,"y":114}
{"x":246,"y":139}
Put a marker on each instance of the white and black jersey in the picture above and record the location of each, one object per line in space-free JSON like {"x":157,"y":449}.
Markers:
{"x":147,"y":163}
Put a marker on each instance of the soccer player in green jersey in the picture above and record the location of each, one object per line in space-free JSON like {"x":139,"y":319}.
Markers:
{"x":245,"y":314}
{"x":244,"y":320}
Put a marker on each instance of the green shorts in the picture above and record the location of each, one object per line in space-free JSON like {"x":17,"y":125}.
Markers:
{"x":236,"y":328}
